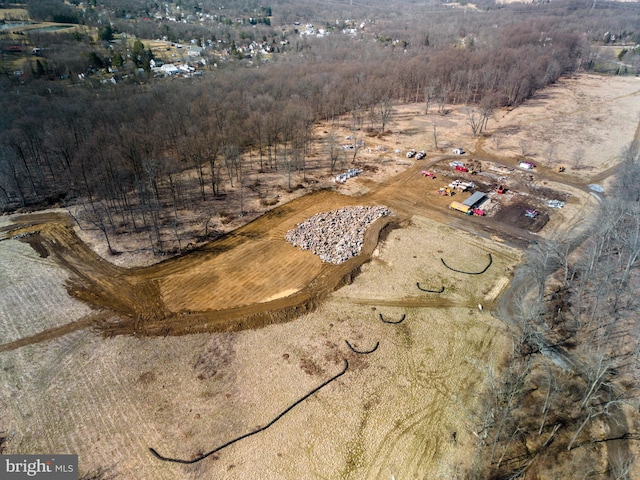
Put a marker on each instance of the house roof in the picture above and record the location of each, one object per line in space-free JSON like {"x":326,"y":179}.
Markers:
{"x":474,"y":199}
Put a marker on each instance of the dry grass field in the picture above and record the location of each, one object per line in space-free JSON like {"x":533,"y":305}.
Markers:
{"x":14,"y":14}
{"x":394,"y":411}
{"x":403,"y":411}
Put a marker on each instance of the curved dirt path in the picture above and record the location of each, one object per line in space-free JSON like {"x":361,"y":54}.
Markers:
{"x":252,"y":276}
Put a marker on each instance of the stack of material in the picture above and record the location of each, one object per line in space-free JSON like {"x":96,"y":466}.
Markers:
{"x":338,"y":235}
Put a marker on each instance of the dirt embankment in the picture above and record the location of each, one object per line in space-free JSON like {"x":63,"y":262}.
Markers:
{"x":252,"y":276}
{"x":405,"y":410}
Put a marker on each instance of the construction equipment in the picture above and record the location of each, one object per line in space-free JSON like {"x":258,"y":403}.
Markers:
{"x":478,"y":212}
{"x":461,"y":186}
{"x":460,"y":207}
{"x":428,"y":174}
{"x":474,"y":166}
{"x":501,"y":189}
{"x":420,"y":155}
{"x":560,"y":168}
{"x":411,"y":153}
{"x":445,"y":191}
{"x":531,"y":213}
{"x":461,"y":168}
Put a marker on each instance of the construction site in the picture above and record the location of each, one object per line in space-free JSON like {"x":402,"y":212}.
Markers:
{"x":262,"y":354}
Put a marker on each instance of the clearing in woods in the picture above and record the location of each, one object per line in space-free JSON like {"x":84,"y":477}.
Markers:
{"x":403,"y":410}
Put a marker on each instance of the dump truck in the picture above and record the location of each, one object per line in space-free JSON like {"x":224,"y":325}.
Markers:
{"x":460,"y":207}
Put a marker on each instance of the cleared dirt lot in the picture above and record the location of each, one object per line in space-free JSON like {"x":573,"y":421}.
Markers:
{"x":403,"y":410}
{"x":393,"y":412}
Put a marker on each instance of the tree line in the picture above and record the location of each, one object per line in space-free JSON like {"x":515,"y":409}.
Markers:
{"x":122,"y":150}
{"x":566,"y":404}
{"x":138,"y":155}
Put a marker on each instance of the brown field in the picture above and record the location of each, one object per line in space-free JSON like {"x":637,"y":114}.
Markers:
{"x":14,"y":14}
{"x":259,"y":324}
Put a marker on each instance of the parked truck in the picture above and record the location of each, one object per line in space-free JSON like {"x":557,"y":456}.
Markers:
{"x":460,"y":207}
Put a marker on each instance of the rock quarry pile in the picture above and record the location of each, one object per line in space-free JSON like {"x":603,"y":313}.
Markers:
{"x":338,"y":235}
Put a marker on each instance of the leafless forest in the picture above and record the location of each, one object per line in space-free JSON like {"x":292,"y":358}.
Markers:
{"x":138,"y":154}
{"x":571,"y":385}
{"x":158,"y":155}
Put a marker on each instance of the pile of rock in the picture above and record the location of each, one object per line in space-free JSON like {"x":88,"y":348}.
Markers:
{"x":343,"y":177}
{"x":338,"y":235}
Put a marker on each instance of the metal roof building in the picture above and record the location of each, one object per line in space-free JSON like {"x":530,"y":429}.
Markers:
{"x":474,"y":199}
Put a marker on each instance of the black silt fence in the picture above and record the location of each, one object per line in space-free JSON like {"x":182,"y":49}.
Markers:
{"x":362,"y":352}
{"x":257,"y":430}
{"x":430,"y":291}
{"x":404,"y":315}
{"x":470,"y":273}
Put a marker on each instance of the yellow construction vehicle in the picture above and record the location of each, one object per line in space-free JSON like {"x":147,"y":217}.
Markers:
{"x":560,"y":168}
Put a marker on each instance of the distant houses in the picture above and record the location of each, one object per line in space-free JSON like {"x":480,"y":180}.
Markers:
{"x":195,"y":51}
{"x":170,"y":69}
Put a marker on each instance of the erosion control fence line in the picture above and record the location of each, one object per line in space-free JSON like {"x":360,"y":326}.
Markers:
{"x":430,"y":291}
{"x":362,"y":352}
{"x":470,"y":273}
{"x":404,"y":315}
{"x":257,"y":430}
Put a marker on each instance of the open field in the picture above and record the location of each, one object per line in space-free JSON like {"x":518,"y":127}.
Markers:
{"x":580,"y":123}
{"x":14,"y":14}
{"x":402,"y":410}
{"x":393,"y":412}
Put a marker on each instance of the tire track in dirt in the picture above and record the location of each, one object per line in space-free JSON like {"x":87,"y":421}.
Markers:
{"x":85,"y":322}
{"x":408,"y":431}
{"x":226,"y":285}
{"x":411,"y":302}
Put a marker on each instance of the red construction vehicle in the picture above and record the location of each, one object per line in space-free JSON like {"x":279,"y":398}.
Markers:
{"x":478,"y":212}
{"x":501,"y":189}
{"x":428,"y":174}
{"x":461,"y":168}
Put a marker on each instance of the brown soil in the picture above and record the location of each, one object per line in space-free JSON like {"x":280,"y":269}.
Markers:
{"x":515,"y":215}
{"x":250,"y":277}
{"x":406,"y":410}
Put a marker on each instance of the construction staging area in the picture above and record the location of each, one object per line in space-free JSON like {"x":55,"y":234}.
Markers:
{"x":298,"y":367}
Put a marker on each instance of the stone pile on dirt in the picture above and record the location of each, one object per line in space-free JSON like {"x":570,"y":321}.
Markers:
{"x":338,"y":235}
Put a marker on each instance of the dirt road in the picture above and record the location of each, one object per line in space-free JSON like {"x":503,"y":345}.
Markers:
{"x":405,"y":410}
{"x":249,"y":278}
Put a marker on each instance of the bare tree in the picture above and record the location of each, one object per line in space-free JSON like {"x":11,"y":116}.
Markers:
{"x":333,"y":150}
{"x":385,"y":109}
{"x":435,"y":133}
{"x":429,"y":94}
{"x":497,"y":138}
{"x":577,"y":156}
{"x":549,"y":152}
{"x":474,"y":119}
